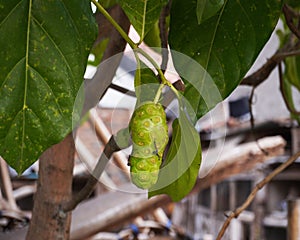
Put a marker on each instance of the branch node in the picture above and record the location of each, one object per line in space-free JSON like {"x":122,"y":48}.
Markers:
{"x":227,"y":214}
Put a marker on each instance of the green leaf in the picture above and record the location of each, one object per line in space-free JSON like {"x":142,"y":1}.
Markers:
{"x":207,"y":9}
{"x":292,"y":71}
{"x":225,"y":45}
{"x":180,"y":169}
{"x":288,"y":95}
{"x":146,"y":83}
{"x":98,"y":52}
{"x":142,"y":14}
{"x":107,"y":3}
{"x":44,"y":49}
{"x":152,"y":38}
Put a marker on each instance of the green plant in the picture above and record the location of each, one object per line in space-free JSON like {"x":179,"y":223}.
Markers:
{"x":44,"y":50}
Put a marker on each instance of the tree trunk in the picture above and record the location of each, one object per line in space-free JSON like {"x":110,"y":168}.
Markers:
{"x":54,"y":187}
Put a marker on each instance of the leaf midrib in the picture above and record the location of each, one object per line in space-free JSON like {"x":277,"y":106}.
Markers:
{"x":26,"y":78}
{"x":144,"y":20}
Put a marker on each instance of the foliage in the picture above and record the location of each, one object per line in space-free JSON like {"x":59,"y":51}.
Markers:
{"x":98,"y":52}
{"x":290,"y":79}
{"x":225,"y":44}
{"x":207,"y":9}
{"x":46,"y":48}
{"x":180,"y":170}
{"x":142,"y":14}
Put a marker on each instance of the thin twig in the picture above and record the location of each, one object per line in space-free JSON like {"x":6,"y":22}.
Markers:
{"x":252,"y":195}
{"x":289,"y":15}
{"x":122,"y":90}
{"x":252,"y":121}
{"x":108,"y":151}
{"x":263,"y":73}
{"x":286,"y":101}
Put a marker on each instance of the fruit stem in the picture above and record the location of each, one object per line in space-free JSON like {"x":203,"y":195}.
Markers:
{"x":135,"y":47}
{"x":158,"y":93}
{"x":155,"y":65}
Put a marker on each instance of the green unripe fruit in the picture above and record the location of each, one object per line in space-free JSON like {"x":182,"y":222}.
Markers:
{"x":149,"y":133}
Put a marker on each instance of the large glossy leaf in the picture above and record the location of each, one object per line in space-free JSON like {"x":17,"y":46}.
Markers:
{"x":142,"y":13}
{"x":44,"y":49}
{"x":207,"y":9}
{"x":225,"y":45}
{"x":180,"y":169}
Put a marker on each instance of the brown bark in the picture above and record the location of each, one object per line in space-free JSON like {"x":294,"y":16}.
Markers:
{"x":54,"y":187}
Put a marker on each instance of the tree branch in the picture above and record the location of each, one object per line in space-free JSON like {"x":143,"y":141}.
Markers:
{"x":108,"y":151}
{"x":252,"y":121}
{"x":252,"y":195}
{"x":122,"y":90}
{"x":291,"y":48}
{"x":263,"y":73}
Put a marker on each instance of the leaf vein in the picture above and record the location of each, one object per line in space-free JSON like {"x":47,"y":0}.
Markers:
{"x":48,"y":86}
{"x":11,"y":12}
{"x":55,"y":45}
{"x":12,"y":69}
{"x":71,"y":19}
{"x":144,"y":19}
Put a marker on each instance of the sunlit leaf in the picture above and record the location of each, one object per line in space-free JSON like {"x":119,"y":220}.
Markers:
{"x":152,"y":38}
{"x":44,"y":49}
{"x":143,"y":14}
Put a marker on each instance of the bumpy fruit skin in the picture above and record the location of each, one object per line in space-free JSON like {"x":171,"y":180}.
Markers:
{"x":149,"y":133}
